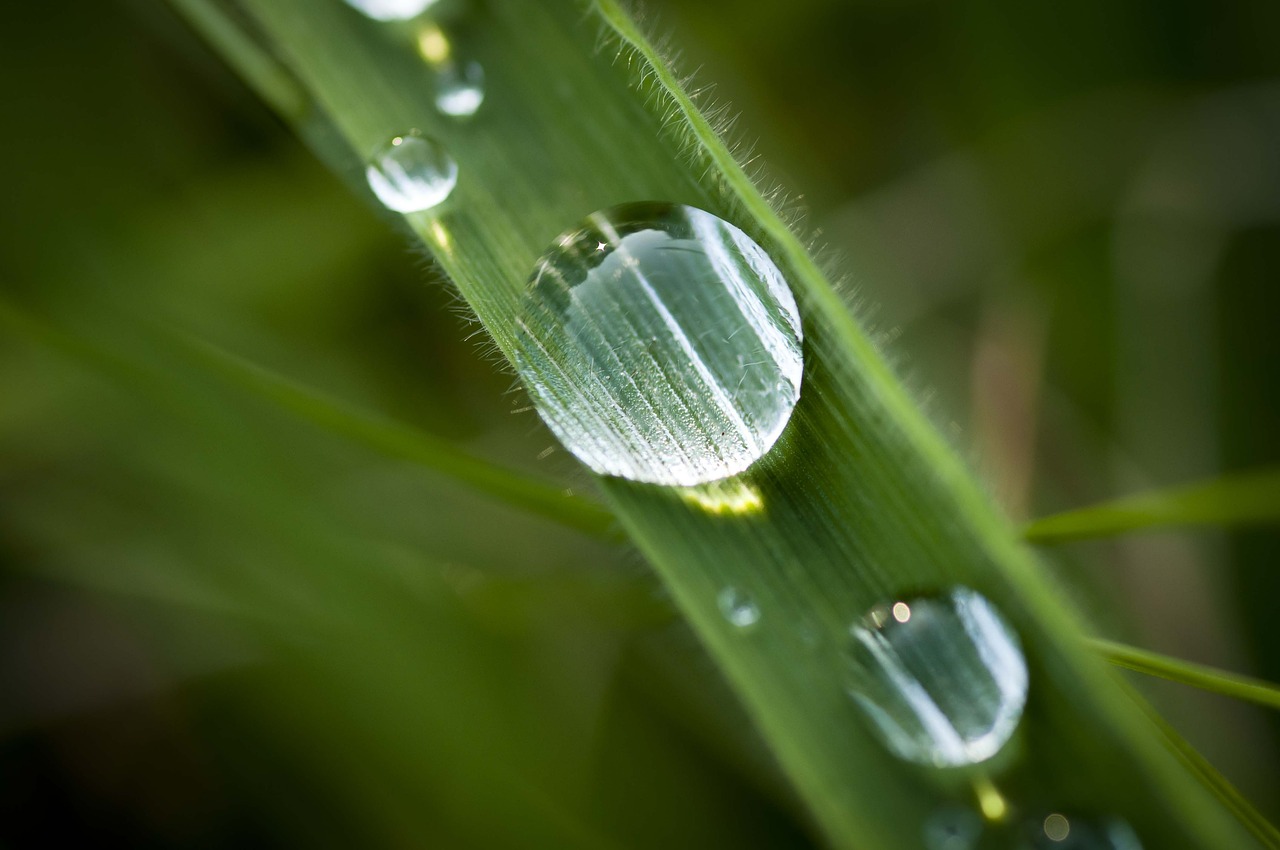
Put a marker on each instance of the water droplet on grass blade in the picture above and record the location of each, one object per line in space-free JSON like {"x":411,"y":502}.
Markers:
{"x":391,"y":10}
{"x":661,"y":344}
{"x":411,"y":173}
{"x":738,"y":608}
{"x":459,"y":88}
{"x":942,"y":678}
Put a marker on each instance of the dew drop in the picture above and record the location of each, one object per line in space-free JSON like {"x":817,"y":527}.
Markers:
{"x":738,"y":608}
{"x":942,"y":678}
{"x":661,"y":344}
{"x":1057,"y":831}
{"x":459,"y":88}
{"x":952,"y":828}
{"x":411,"y":173}
{"x":391,"y":10}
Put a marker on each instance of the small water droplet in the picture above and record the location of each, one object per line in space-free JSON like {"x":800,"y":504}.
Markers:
{"x":942,"y":678}
{"x":459,"y":88}
{"x":952,"y":828}
{"x":411,"y":173}
{"x":661,"y":344}
{"x":738,"y":608}
{"x":391,"y":10}
{"x":1058,"y":831}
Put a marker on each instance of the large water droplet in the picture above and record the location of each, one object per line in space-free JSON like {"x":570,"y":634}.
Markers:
{"x":412,"y":173}
{"x":1057,"y":831}
{"x":942,"y":678}
{"x":738,"y":608}
{"x":391,"y":10}
{"x":661,"y":344}
{"x":459,"y":88}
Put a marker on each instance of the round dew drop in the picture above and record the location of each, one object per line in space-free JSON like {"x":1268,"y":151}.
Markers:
{"x":411,"y":173}
{"x":460,"y":89}
{"x":391,"y":10}
{"x":941,"y":678}
{"x":738,"y":608}
{"x":661,"y":344}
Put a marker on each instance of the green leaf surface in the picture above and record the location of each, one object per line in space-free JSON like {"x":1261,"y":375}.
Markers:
{"x":1235,"y":500}
{"x":1189,"y":673}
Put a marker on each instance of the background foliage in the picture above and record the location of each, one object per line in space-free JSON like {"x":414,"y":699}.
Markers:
{"x":1063,"y":222}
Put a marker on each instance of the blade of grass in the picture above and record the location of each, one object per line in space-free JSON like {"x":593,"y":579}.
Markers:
{"x":403,"y":442}
{"x":1188,"y":673}
{"x":861,"y":499}
{"x":1247,"y":499}
{"x":387,"y":437}
{"x":1259,"y":827}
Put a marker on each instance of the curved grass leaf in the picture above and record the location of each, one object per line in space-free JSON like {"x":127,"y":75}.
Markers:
{"x":1246,"y":499}
{"x":396,"y":440}
{"x":861,"y":500}
{"x":1188,"y":673}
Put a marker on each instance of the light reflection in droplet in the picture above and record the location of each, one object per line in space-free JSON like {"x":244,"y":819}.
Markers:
{"x":411,"y":173}
{"x":391,"y":10}
{"x":672,"y":356}
{"x":941,"y":678}
{"x":738,"y":608}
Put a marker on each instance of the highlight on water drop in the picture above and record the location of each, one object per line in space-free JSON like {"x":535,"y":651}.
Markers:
{"x":459,"y":88}
{"x":391,"y":10}
{"x":942,"y":679}
{"x":411,"y":173}
{"x":738,"y":608}
{"x":661,"y":344}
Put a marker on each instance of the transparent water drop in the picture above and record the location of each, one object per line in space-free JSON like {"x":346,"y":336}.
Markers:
{"x":661,"y":344}
{"x":942,"y":678}
{"x":1058,"y":831}
{"x":738,"y":608}
{"x":459,"y":88}
{"x":391,"y":10}
{"x":952,"y":828}
{"x":411,"y":173}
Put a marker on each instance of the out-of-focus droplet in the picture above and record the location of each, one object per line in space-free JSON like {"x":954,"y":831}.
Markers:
{"x":738,"y":608}
{"x":459,"y":88}
{"x":391,"y":10}
{"x":952,"y":828}
{"x":411,"y":173}
{"x":941,"y":678}
{"x":1059,"y":831}
{"x":661,"y":344}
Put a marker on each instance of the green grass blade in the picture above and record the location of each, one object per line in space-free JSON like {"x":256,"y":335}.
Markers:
{"x":403,"y":442}
{"x":1263,"y":831}
{"x":1235,"y":500}
{"x":861,"y":500}
{"x":1188,"y":673}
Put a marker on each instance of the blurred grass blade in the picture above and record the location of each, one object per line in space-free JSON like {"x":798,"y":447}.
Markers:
{"x":1259,"y":827}
{"x":269,"y":78}
{"x":387,"y":437}
{"x":396,"y":440}
{"x":1246,"y":499}
{"x":1188,"y":673}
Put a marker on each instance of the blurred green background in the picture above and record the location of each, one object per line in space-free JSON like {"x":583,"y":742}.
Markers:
{"x":223,"y":625}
